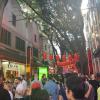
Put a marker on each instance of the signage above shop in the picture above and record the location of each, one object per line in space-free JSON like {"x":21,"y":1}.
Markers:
{"x":12,"y":65}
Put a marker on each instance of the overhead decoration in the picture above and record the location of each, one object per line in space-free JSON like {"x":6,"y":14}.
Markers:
{"x":44,"y":55}
{"x":64,"y":57}
{"x":57,"y":58}
{"x":50,"y":57}
{"x":65,"y":62}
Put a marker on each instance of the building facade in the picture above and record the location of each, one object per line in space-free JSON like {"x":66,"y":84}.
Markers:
{"x":16,"y":36}
{"x":92,"y":32}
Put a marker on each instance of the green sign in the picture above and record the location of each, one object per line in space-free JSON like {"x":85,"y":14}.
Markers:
{"x":41,"y":71}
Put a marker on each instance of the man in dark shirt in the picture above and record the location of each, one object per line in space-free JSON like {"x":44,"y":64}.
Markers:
{"x":95,"y":84}
{"x":4,"y":94}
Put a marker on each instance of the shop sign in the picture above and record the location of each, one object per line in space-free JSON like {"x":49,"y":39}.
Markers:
{"x":12,"y":65}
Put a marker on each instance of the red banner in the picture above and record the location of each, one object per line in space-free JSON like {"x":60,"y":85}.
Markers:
{"x":90,"y":66}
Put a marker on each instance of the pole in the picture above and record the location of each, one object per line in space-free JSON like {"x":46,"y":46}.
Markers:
{"x":26,"y":63}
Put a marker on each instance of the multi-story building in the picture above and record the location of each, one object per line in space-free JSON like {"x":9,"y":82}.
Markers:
{"x":16,"y":36}
{"x":92,"y":31}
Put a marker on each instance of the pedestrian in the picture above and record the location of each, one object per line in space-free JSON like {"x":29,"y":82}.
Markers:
{"x":19,"y":93}
{"x":76,"y":88}
{"x":4,"y":94}
{"x":95,"y":84}
{"x":62,"y":90}
{"x":24,"y":82}
{"x":38,"y":93}
{"x":44,"y":79}
{"x":52,"y":88}
{"x":36,"y":80}
{"x":8,"y":87}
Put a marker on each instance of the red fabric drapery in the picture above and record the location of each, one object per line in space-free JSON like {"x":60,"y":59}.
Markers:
{"x":90,"y":65}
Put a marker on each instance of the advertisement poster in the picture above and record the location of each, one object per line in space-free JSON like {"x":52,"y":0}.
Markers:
{"x":41,"y":71}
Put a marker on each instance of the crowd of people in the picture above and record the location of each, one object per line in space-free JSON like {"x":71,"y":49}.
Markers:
{"x":70,"y":86}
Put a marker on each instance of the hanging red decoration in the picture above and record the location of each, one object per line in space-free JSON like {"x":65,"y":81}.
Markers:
{"x":57,"y":57}
{"x":76,"y":57}
{"x":50,"y":57}
{"x":64,"y":57}
{"x":70,"y":57}
{"x":44,"y":55}
{"x":58,"y":63}
{"x":67,"y":62}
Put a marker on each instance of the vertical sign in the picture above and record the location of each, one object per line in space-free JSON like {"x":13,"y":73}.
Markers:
{"x":41,"y":71}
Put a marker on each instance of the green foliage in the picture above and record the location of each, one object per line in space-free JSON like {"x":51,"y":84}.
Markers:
{"x":60,"y":20}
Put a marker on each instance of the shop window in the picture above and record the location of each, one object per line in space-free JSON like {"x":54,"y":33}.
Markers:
{"x":35,"y":52}
{"x":5,"y":37}
{"x":13,"y":20}
{"x":20,"y":44}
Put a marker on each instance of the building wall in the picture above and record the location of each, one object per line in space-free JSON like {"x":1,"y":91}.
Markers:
{"x":92,"y":31}
{"x":27,"y":31}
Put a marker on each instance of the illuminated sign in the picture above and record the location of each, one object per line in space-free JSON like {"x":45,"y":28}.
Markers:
{"x":41,"y":71}
{"x":12,"y":65}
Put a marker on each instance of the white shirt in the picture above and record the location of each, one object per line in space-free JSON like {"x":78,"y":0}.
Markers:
{"x":24,"y":84}
{"x":11,"y":95}
{"x":19,"y":89}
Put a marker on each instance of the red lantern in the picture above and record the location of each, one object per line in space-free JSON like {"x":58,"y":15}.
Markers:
{"x":64,"y":57}
{"x":57,"y":57}
{"x":44,"y":55}
{"x":50,"y":57}
{"x":76,"y":57}
{"x":70,"y":57}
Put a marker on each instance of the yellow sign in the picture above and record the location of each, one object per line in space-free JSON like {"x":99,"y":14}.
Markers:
{"x":28,"y":68}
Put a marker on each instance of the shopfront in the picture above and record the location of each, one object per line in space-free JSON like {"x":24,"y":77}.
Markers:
{"x":12,"y":69}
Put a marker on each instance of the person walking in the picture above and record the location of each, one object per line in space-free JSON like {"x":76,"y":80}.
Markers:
{"x":52,"y":88}
{"x":19,"y":93}
{"x":4,"y":94}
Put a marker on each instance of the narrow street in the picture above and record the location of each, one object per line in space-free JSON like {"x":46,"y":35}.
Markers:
{"x":49,"y":49}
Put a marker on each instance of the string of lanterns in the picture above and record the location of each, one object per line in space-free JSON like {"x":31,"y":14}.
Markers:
{"x":68,"y":62}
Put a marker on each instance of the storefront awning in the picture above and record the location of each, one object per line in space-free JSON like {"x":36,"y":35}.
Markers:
{"x":12,"y":55}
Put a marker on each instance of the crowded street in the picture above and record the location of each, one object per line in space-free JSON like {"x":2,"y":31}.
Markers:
{"x":49,"y":49}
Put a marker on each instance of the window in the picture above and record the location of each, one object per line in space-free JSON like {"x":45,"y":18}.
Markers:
{"x":5,"y":37}
{"x":13,"y":20}
{"x":20,"y":44}
{"x":35,"y":38}
{"x":35,"y":52}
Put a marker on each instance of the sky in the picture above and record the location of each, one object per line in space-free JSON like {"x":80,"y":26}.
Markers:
{"x":84,"y":10}
{"x":84,"y":6}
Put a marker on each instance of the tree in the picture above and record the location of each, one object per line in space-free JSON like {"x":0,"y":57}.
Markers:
{"x":61,"y":21}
